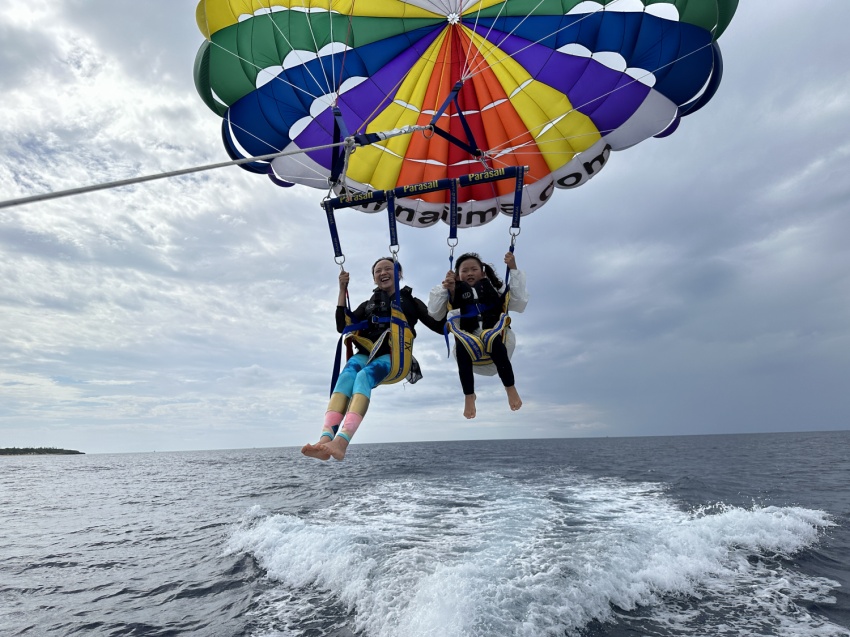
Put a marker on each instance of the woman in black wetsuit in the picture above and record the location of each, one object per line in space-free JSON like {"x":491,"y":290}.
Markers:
{"x":366,"y":369}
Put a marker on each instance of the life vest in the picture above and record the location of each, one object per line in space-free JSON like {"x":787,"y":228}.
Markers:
{"x":385,"y":329}
{"x":489,"y":310}
{"x":480,"y":305}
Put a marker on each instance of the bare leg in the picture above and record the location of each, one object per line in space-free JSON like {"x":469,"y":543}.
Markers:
{"x":469,"y":406}
{"x":513,"y":398}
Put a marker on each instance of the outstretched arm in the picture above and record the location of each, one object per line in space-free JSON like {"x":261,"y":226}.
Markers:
{"x":433,"y":324}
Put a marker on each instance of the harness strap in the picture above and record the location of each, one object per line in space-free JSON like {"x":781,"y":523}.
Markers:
{"x":400,"y":343}
{"x":483,"y":342}
{"x":329,"y":212}
{"x":478,"y":346}
{"x":452,"y":240}
{"x":338,"y":154}
{"x":469,"y":146}
{"x":515,"y":229}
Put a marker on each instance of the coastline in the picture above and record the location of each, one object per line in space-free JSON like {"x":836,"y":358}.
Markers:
{"x":38,"y":451}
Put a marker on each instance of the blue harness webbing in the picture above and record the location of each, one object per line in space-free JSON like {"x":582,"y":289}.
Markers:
{"x":469,"y":145}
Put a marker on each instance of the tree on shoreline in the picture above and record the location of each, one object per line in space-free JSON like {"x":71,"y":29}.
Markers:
{"x":36,"y":451}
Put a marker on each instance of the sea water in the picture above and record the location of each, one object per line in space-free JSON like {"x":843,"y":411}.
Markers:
{"x":699,"y":535}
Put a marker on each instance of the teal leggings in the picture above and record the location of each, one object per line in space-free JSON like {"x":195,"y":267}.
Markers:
{"x":358,"y":377}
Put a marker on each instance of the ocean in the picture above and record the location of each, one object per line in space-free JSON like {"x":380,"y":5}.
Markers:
{"x":610,"y":537}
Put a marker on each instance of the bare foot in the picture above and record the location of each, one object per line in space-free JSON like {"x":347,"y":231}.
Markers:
{"x":513,"y":398}
{"x":336,"y":448}
{"x":469,"y":406}
{"x":316,"y":451}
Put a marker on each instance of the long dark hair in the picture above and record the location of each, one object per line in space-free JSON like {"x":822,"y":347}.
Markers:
{"x":489,"y":272}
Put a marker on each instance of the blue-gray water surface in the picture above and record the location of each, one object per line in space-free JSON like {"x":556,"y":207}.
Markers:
{"x":700,"y":535}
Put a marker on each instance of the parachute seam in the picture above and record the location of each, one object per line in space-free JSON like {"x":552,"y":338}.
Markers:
{"x":257,"y":66}
{"x":598,"y":97}
{"x":552,"y":121}
{"x":292,"y":48}
{"x":275,"y":78}
{"x":496,"y":46}
{"x":548,"y":35}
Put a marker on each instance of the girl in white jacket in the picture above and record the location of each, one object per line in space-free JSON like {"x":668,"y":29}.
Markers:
{"x":476,"y":295}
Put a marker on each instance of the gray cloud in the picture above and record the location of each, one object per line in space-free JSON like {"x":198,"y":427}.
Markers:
{"x":698,"y":284}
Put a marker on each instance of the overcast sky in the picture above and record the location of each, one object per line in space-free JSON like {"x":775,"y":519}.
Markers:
{"x":699,"y":284}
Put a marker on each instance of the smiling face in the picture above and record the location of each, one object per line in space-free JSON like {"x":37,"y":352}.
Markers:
{"x":382,"y":273}
{"x":470,"y":271}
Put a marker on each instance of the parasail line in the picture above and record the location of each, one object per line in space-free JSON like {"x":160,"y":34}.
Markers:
{"x":232,"y":124}
{"x":548,"y":35}
{"x":474,"y":27}
{"x":331,"y":87}
{"x":9,"y":203}
{"x":307,"y":16}
{"x":519,"y":24}
{"x":345,"y":50}
{"x":392,"y":91}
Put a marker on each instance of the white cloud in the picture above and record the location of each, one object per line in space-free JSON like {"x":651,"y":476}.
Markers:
{"x":699,"y":285}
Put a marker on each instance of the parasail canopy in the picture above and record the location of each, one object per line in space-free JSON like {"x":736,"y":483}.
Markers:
{"x":424,"y":90}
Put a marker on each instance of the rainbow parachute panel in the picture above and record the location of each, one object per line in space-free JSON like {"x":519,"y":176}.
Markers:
{"x":435,"y":89}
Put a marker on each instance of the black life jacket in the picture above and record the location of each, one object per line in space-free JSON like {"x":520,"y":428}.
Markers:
{"x":379,"y":304}
{"x":488,"y":306}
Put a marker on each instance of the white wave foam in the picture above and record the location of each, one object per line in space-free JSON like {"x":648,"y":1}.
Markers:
{"x":490,"y":555}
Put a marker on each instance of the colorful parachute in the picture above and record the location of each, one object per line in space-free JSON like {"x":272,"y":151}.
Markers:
{"x":435,"y":89}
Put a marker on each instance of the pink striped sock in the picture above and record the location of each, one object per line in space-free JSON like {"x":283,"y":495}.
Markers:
{"x":332,"y":420}
{"x":351,"y":423}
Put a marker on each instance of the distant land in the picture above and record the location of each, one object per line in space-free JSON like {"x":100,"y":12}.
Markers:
{"x":36,"y":451}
